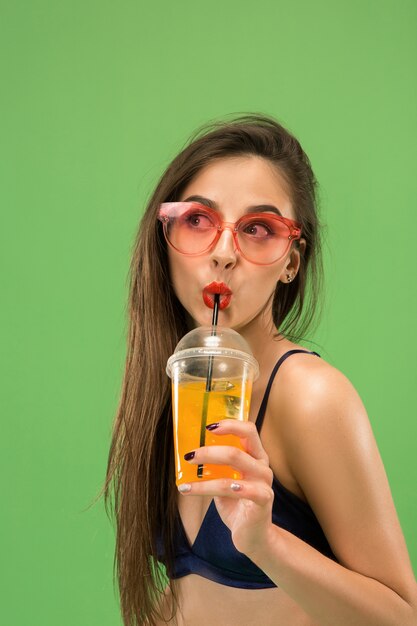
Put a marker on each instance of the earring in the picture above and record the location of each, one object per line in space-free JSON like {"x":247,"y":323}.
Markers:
{"x":289,"y":278}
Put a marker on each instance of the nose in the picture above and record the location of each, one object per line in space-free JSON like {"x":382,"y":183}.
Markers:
{"x":223,"y":254}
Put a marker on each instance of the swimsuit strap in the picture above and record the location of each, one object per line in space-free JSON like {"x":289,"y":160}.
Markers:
{"x":262,"y":409}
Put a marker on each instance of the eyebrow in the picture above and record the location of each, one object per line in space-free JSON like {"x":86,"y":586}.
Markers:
{"x":258,"y":208}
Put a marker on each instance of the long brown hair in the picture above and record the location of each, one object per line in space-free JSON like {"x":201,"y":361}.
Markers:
{"x":140,"y":484}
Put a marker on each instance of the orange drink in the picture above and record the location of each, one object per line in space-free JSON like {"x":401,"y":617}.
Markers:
{"x":193,"y":409}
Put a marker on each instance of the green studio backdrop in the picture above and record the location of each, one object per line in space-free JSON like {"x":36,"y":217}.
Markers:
{"x":97,"y":97}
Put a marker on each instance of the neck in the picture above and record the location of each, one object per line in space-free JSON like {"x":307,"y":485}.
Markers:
{"x":261,"y":335}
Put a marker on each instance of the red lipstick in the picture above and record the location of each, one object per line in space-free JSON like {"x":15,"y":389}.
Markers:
{"x":220,"y":288}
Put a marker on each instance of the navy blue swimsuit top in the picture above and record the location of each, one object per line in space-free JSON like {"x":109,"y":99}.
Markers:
{"x":213,"y":554}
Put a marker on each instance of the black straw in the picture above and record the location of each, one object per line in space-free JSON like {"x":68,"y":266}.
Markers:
{"x":208,"y":382}
{"x":215,"y":313}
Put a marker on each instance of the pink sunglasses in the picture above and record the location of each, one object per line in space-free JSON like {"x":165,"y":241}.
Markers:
{"x":192,"y":228}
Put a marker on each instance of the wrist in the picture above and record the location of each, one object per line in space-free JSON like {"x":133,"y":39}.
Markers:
{"x":265,"y":549}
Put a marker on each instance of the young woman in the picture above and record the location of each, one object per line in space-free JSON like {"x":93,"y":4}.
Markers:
{"x":309,"y":535}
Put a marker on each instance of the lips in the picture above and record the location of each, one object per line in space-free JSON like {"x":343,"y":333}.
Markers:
{"x":222,"y":289}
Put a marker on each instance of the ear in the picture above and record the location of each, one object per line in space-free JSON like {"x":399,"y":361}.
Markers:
{"x":293,"y":262}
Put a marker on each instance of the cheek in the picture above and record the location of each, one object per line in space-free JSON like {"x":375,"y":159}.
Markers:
{"x":264,"y":280}
{"x":180,"y":271}
{"x":263,"y":292}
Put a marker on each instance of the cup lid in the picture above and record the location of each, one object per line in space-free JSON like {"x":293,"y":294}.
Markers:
{"x":213,"y":341}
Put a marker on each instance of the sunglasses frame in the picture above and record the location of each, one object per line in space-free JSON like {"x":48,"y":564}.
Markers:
{"x":163,"y":216}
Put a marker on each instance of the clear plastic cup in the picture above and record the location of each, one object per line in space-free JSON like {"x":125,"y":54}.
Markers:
{"x":212,"y":372}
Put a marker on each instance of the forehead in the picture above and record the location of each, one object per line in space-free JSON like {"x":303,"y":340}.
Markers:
{"x":234,"y":183}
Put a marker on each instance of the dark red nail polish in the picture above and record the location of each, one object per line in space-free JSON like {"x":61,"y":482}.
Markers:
{"x":189,"y":456}
{"x":212,"y":426}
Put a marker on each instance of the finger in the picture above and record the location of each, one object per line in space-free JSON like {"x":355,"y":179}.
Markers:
{"x":256,"y":491}
{"x":229,"y":455}
{"x":244,"y":430}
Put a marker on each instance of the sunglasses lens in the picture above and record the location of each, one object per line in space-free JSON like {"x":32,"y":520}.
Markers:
{"x":191,"y":231}
{"x":263,"y":239}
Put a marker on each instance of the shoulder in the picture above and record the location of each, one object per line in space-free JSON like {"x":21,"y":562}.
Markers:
{"x":311,"y":390}
{"x":317,"y":404}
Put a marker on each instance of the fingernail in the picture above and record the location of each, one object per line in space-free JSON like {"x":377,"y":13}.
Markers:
{"x":212,"y":426}
{"x":189,"y":456}
{"x":235,"y":487}
{"x":185,"y":488}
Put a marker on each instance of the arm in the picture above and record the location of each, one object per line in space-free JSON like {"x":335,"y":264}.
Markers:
{"x":334,"y":458}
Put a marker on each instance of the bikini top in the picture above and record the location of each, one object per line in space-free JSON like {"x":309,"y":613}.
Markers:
{"x":213,"y":554}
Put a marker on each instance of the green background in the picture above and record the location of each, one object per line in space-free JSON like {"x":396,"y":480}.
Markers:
{"x":96,"y":98}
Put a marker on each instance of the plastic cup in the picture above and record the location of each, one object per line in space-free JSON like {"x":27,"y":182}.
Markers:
{"x":212,"y":372}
